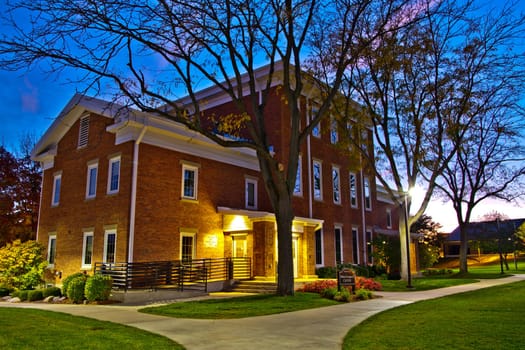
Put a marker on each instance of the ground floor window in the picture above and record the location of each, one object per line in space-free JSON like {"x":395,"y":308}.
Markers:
{"x":110,"y":245}
{"x":369,"y":247}
{"x":187,"y":247}
{"x":355,"y":250}
{"x":319,"y":247}
{"x":338,"y":245}
{"x":87,"y":250}
{"x":51,"y":249}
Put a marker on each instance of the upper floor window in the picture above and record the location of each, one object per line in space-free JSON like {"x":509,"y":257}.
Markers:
{"x":366,"y":190}
{"x":114,"y":175}
{"x":336,"y":185}
{"x":353,"y":190}
{"x":91,"y":186}
{"x":51,"y":250}
{"x":318,"y":174}
{"x":251,"y":193}
{"x":334,"y":136}
{"x":83,"y":131}
{"x":190,"y":177}
{"x":87,"y":250}
{"x":298,"y":188}
{"x":57,"y":184}
{"x":316,"y":131}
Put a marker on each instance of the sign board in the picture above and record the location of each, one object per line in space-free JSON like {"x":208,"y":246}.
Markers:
{"x":346,"y":277}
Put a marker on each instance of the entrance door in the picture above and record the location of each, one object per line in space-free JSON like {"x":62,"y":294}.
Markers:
{"x":295,"y":252}
{"x":240,"y":246}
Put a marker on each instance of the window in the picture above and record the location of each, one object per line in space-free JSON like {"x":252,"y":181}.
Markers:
{"x":51,"y":250}
{"x":316,"y":131}
{"x":114,"y":175}
{"x":187,"y":247}
{"x":364,"y":140}
{"x":353,"y":191}
{"x":336,"y":185}
{"x":298,"y":189}
{"x":318,"y":189}
{"x":334,"y":136}
{"x":57,"y":183}
{"x":189,"y":181}
{"x":319,"y":247}
{"x":369,"y":246}
{"x":91,"y":187}
{"x":251,"y":193}
{"x":83,"y":131}
{"x":110,"y":245}
{"x":87,"y":250}
{"x":388,"y":218}
{"x":366,"y":189}
{"x":338,"y":239}
{"x":355,"y":252}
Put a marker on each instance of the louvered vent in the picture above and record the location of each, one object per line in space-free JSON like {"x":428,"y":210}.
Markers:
{"x":83,"y":133}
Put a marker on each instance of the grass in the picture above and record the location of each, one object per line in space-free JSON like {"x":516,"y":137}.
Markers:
{"x":45,"y":330}
{"x":491,"y":318}
{"x":240,"y":307}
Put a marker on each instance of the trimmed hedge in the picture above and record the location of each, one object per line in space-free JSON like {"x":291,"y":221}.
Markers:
{"x":75,"y":289}
{"x":51,"y":291}
{"x":34,"y":295}
{"x":98,"y":287}
{"x":68,"y":279}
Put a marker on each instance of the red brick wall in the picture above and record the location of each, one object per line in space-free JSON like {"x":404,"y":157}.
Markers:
{"x":74,"y":212}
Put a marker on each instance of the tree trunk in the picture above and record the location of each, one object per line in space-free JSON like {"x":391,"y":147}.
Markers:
{"x":285,"y":275}
{"x":403,"y":244}
{"x":463,"y":249}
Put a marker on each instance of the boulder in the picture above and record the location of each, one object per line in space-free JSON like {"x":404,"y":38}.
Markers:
{"x":14,"y":300}
{"x":49,"y":299}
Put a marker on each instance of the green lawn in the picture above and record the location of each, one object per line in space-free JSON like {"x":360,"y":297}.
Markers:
{"x":37,"y":329}
{"x":491,"y":318}
{"x":239,"y":307}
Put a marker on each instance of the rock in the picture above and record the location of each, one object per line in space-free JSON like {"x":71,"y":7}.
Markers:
{"x":6,"y":298}
{"x":14,"y":300}
{"x":48,"y":299}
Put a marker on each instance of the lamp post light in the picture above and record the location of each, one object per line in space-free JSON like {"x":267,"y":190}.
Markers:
{"x":407,"y":241}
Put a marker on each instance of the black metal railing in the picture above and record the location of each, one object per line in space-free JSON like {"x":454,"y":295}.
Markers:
{"x":182,"y":275}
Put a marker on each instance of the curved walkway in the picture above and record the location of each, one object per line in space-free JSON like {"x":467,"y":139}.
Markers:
{"x":321,"y":328}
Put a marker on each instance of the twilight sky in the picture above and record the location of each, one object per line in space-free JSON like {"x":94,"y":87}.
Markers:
{"x":30,"y":100}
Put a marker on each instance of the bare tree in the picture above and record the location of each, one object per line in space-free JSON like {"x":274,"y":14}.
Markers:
{"x":424,"y":84}
{"x":151,"y":53}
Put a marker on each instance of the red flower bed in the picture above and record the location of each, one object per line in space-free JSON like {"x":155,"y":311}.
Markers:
{"x":320,"y":285}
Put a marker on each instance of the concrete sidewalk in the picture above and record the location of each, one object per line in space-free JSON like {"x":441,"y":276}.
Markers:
{"x":322,"y":328}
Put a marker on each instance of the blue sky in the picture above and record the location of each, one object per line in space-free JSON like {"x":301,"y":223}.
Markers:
{"x":30,"y":100}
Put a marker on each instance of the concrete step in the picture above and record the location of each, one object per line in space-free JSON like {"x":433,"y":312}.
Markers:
{"x":259,"y":287}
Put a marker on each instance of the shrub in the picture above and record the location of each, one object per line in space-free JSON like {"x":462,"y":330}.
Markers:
{"x":98,"y":287}
{"x":75,"y":289}
{"x":34,"y":295}
{"x":22,"y":294}
{"x":343,"y":295}
{"x":367,"y":283}
{"x":4,"y":291}
{"x":325,"y":272}
{"x":329,"y":293}
{"x":363,"y":294}
{"x":68,"y":279}
{"x":51,"y":291}
{"x":318,"y":286}
{"x":22,"y":265}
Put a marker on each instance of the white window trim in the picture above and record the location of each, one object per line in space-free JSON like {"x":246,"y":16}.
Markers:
{"x":340,"y":228}
{"x":51,"y":237}
{"x":338,"y":171}
{"x":320,"y":197}
{"x":84,"y":242}
{"x":195,"y":169}
{"x":299,"y":177}
{"x":355,"y":233}
{"x":388,"y":218}
{"x":249,"y":180}
{"x":194,"y":248}
{"x":322,"y":249}
{"x":356,"y":204}
{"x":368,"y":206}
{"x":107,"y":232}
{"x":333,"y":131}
{"x":90,"y":167}
{"x":54,"y":200}
{"x":110,"y":174}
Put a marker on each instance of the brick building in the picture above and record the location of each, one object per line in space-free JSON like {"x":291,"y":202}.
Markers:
{"x":126,"y":186}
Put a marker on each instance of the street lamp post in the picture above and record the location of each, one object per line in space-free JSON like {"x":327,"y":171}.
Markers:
{"x":409,"y":275}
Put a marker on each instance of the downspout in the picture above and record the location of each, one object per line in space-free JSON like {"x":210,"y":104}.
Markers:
{"x":40,"y":201}
{"x":309,"y":155}
{"x":363,"y":210}
{"x":134,"y":176}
